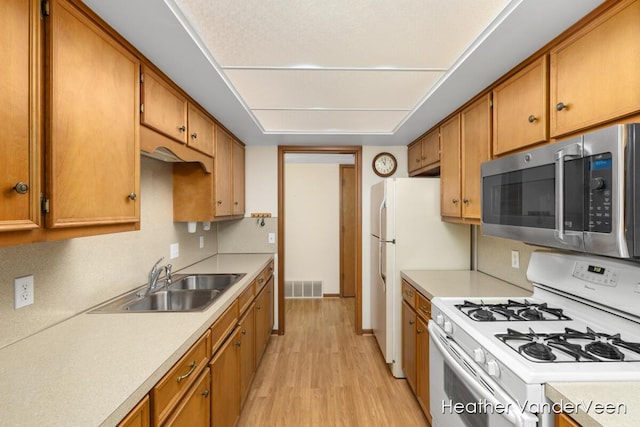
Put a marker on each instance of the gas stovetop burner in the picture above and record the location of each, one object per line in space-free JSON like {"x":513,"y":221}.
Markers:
{"x":510,"y":311}
{"x":575,"y":346}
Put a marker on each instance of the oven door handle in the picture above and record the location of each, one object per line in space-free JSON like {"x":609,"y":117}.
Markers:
{"x":513,"y":413}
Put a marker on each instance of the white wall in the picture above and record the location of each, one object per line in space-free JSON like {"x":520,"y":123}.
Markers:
{"x":312,"y":235}
{"x":73,"y":275}
{"x":261,"y":180}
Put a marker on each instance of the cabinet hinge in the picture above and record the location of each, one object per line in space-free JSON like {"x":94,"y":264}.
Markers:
{"x":44,"y":205}
{"x":141,"y":77}
{"x":44,"y":8}
{"x":142,"y":108}
{"x":491,"y":104}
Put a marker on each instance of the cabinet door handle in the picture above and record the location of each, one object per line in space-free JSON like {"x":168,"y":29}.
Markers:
{"x":261,"y":280}
{"x":219,"y":202}
{"x":417,"y":160}
{"x":411,"y":322}
{"x":561,"y":106}
{"x":182,"y":128}
{"x":21,"y":187}
{"x":532,"y":118}
{"x":465,"y":201}
{"x":238,"y":343}
{"x":194,"y":135}
{"x":455,"y":201}
{"x":192,"y":368}
{"x":132,"y":196}
{"x":205,"y":393}
{"x":419,"y":331}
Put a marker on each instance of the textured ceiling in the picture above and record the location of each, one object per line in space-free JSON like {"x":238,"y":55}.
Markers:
{"x":303,"y":72}
{"x":335,"y":66}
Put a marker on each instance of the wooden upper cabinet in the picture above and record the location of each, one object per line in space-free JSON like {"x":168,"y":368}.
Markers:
{"x":201,"y":131}
{"x":475,"y":123}
{"x":424,"y":154}
{"x":237,"y":156}
{"x":520,"y":107}
{"x":222,"y":171}
{"x":594,"y":74}
{"x":164,"y":108}
{"x":19,"y":111}
{"x":450,"y":188}
{"x":93,"y":154}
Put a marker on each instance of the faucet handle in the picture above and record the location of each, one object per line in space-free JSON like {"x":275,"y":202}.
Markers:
{"x":167,"y":272}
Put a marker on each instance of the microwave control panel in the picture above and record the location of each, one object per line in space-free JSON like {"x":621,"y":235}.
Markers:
{"x":600,"y":178}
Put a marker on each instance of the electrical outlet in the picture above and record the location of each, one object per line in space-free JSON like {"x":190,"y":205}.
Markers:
{"x":23,"y":291}
{"x":201,"y":242}
{"x":174,"y":250}
{"x":272,"y":237}
{"x":515,"y":259}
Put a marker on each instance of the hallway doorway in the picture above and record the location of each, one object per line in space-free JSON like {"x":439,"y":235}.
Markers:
{"x":353,"y":203}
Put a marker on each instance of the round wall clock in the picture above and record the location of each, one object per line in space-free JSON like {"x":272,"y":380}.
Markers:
{"x":384,"y":164}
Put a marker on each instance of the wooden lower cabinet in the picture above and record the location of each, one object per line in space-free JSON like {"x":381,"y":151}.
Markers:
{"x":195,"y":409}
{"x":564,"y":420}
{"x":139,"y":416}
{"x":225,"y":387}
{"x":409,"y":344}
{"x":416,"y":312}
{"x":247,"y":351}
{"x":264,"y":318}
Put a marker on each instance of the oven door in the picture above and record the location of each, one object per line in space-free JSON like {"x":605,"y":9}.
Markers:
{"x":462,"y":394}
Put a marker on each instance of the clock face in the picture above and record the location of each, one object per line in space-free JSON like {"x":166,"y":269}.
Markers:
{"x":384,"y":164}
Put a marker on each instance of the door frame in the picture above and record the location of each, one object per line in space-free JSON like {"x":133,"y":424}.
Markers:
{"x":342,"y":228}
{"x":356,"y":151}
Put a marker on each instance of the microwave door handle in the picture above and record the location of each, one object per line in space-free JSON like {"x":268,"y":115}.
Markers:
{"x":573,"y":150}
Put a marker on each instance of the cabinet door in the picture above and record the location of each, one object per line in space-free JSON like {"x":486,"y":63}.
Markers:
{"x":450,"y":168}
{"x":201,"y":131}
{"x":594,"y":73}
{"x":520,"y":107}
{"x":476,"y":140}
{"x":422,"y":367}
{"x":164,"y":109}
{"x":409,"y":344}
{"x":564,"y":420}
{"x":139,"y":416}
{"x":264,"y":318}
{"x":238,"y":177}
{"x":19,"y":111}
{"x":195,"y":408}
{"x":93,"y":154}
{"x":247,"y":352}
{"x":222,"y":171}
{"x":431,"y":148}
{"x":414,"y":156}
{"x":225,"y":387}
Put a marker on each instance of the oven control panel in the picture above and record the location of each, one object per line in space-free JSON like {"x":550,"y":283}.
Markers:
{"x":595,"y":274}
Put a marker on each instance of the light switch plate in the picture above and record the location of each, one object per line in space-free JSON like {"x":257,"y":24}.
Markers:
{"x":174,"y":250}
{"x":272,"y":237}
{"x":515,"y":259}
{"x":201,"y":242}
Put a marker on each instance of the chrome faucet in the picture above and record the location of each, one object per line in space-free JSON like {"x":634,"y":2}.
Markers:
{"x":154,"y":275}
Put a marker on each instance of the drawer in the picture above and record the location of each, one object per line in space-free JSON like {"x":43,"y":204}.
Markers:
{"x":170,"y":389}
{"x":245,"y":298}
{"x":223,"y":326}
{"x":424,"y":307}
{"x":409,"y":294}
{"x":263,"y":277}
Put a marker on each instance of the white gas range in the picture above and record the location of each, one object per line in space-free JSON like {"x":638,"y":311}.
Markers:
{"x":490,"y":357}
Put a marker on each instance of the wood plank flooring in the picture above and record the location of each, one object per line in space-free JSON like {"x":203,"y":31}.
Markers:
{"x":320,"y":373}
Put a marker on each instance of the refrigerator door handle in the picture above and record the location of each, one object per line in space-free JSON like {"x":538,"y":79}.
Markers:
{"x":382,"y":276}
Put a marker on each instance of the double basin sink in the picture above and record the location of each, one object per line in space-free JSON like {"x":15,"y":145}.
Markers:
{"x":193,"y":292}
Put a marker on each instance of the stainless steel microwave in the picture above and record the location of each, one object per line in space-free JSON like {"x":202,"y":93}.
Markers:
{"x":580,"y":194}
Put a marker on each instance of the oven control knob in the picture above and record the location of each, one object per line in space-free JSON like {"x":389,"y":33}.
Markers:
{"x":440,"y":319}
{"x":478,"y":355}
{"x":448,"y":327}
{"x":493,"y":368}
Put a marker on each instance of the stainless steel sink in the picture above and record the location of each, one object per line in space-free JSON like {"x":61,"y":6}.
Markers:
{"x":218,"y":282}
{"x":194,"y":292}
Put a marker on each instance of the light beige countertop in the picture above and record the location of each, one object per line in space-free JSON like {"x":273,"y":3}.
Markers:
{"x":460,"y":283}
{"x":609,"y":404}
{"x":93,"y":369}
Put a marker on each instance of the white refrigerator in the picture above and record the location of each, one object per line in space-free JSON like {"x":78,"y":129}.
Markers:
{"x":407,"y":234}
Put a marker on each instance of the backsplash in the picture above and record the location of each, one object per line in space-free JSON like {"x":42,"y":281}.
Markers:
{"x":494,"y":258}
{"x":247,"y":235}
{"x":73,"y":275}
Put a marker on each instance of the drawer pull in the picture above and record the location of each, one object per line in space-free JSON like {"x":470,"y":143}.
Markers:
{"x":261,"y":281}
{"x":192,"y":368}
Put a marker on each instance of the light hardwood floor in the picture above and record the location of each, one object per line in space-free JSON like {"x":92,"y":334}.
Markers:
{"x":320,"y":373}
